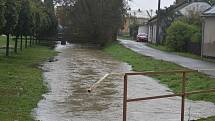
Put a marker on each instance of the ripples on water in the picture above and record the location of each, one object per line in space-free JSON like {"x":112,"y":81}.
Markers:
{"x":79,"y":67}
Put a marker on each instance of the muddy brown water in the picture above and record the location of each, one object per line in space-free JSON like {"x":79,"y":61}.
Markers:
{"x":78,"y":67}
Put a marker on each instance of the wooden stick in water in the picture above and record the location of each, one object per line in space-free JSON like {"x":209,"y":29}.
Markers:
{"x":102,"y":79}
{"x":122,"y":74}
{"x":95,"y":85}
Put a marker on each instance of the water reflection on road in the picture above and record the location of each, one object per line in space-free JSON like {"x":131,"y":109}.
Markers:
{"x":79,"y":67}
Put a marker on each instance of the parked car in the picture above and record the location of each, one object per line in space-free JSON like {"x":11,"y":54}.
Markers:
{"x":142,"y":37}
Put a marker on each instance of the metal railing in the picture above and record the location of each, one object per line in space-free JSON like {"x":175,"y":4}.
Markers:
{"x":183,"y":93}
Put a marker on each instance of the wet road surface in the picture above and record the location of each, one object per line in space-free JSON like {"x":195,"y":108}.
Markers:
{"x":79,"y":67}
{"x":161,"y":55}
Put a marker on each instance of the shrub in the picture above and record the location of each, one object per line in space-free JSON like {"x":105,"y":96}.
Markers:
{"x":179,"y":34}
{"x":133,"y":30}
{"x":196,"y":38}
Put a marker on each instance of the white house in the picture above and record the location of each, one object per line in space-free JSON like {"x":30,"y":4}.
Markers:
{"x":143,"y":29}
{"x":137,"y":17}
{"x":208,"y":43}
{"x":181,"y":9}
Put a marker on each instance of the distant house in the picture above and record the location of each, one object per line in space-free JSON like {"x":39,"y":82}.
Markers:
{"x":182,"y":8}
{"x":138,"y":18}
{"x":208,"y":43}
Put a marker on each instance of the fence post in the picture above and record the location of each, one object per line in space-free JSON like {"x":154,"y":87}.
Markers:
{"x":125,"y":97}
{"x":183,"y":96}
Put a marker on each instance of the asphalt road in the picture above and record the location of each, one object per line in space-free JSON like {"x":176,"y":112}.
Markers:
{"x":194,"y":64}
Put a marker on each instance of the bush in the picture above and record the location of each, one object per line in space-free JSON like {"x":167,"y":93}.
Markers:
{"x":179,"y":34}
{"x":133,"y":30}
{"x":196,"y":38}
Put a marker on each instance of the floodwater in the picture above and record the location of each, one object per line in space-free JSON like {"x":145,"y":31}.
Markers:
{"x":78,"y":67}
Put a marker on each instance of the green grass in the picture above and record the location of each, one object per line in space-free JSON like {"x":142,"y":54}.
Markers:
{"x":127,"y":37}
{"x":159,"y":47}
{"x":3,"y":41}
{"x":12,"y":44}
{"x":164,"y":48}
{"x":207,"y":119}
{"x":21,"y":83}
{"x":140,"y":63}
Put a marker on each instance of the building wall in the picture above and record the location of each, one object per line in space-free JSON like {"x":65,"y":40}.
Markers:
{"x":152,"y":33}
{"x":131,"y":20}
{"x":143,"y":29}
{"x":125,"y":29}
{"x":209,"y":37}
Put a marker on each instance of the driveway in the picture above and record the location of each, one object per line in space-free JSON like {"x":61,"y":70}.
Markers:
{"x":161,"y":55}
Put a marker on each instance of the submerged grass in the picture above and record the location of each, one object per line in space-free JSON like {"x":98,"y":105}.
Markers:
{"x":140,"y":63}
{"x":21,"y":83}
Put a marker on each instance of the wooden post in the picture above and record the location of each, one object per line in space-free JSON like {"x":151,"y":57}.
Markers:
{"x":125,"y":98}
{"x":183,"y":96}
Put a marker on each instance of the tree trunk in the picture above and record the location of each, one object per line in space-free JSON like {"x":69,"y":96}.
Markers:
{"x":15,"y":47}
{"x":36,"y":42}
{"x":30,"y":41}
{"x":21,"y":43}
{"x":114,"y":38}
{"x":7,"y":45}
{"x":26,"y":41}
{"x":33,"y":42}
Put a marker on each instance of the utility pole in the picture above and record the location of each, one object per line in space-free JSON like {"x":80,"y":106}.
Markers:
{"x":158,"y":23}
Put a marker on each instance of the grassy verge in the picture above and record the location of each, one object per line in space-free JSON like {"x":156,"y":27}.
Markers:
{"x":196,"y":81}
{"x":164,"y":48}
{"x":21,"y":83}
{"x":185,"y":54}
{"x":207,"y":119}
{"x":125,"y":37}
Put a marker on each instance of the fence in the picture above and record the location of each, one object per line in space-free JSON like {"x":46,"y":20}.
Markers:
{"x":194,"y":48}
{"x":183,"y":93}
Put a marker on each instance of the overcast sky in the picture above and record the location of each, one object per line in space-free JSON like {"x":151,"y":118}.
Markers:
{"x":149,"y":4}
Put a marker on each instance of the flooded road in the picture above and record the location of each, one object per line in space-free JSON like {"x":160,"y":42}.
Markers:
{"x":79,"y":67}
